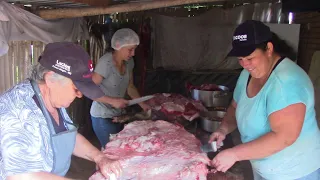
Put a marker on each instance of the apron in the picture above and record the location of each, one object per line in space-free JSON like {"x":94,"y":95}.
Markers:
{"x":62,"y":143}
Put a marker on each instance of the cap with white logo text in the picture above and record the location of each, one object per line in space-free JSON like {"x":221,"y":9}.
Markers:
{"x":72,"y":61}
{"x":248,"y":36}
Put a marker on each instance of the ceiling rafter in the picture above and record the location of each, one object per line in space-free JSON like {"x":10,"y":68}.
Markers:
{"x":127,"y":7}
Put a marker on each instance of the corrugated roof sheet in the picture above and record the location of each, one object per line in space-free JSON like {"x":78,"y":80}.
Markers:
{"x":62,"y":4}
{"x":40,"y":4}
{"x":48,"y":3}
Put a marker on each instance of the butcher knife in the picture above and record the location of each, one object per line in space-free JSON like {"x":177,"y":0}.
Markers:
{"x":210,"y":147}
{"x":139,"y":100}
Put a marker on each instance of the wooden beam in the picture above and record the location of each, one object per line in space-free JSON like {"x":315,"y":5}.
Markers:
{"x":91,"y":2}
{"x":128,"y":7}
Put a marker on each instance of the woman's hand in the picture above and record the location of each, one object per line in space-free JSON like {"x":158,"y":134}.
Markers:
{"x":219,"y":135}
{"x":144,"y":106}
{"x":118,"y":103}
{"x":224,"y":160}
{"x":108,"y":167}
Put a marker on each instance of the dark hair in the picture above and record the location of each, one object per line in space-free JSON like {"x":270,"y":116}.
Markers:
{"x":280,"y":46}
{"x":109,"y":49}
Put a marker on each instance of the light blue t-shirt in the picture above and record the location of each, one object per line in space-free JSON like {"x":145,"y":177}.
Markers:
{"x":288,"y":84}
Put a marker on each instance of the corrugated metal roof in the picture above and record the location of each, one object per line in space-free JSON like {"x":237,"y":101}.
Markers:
{"x":44,"y":4}
{"x":48,"y":3}
{"x":63,"y":4}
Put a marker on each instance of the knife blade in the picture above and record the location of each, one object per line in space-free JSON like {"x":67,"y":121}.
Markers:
{"x":210,"y":147}
{"x":139,"y":100}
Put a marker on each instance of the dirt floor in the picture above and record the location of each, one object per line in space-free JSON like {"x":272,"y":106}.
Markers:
{"x":82,"y":169}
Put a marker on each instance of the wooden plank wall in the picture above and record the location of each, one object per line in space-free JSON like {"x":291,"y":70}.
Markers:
{"x":309,"y":36}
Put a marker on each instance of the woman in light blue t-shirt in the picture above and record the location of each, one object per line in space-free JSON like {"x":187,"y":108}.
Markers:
{"x":273,"y":108}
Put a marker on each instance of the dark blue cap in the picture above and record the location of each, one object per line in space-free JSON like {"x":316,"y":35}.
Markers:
{"x":72,"y":61}
{"x":248,"y":36}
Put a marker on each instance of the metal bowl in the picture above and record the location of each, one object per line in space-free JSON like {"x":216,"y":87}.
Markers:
{"x":209,"y":125}
{"x":213,"y":98}
{"x":210,"y":121}
{"x":214,"y":115}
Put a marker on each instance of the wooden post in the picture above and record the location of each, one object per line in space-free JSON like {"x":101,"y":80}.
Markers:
{"x":128,"y":7}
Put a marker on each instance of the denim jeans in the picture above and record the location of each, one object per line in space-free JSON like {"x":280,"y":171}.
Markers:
{"x":103,"y":127}
{"x":312,"y":176}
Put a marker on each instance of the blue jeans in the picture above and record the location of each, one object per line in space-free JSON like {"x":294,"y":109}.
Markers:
{"x":103,"y":127}
{"x":312,"y":176}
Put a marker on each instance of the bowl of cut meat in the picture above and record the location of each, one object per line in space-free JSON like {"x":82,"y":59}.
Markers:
{"x":210,"y":121}
{"x":211,"y":95}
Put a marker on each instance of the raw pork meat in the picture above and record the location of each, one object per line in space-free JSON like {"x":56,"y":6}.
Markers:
{"x":172,"y":108}
{"x":151,"y":114}
{"x":133,"y":117}
{"x":204,"y":87}
{"x":177,"y":105}
{"x":156,"y":150}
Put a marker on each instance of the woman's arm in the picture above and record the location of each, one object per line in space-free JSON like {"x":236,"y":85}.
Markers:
{"x":115,"y":102}
{"x":286,"y":125}
{"x":84,"y":149}
{"x":132,"y":90}
{"x":97,"y":78}
{"x":36,"y":176}
{"x":134,"y":93}
{"x":229,"y":122}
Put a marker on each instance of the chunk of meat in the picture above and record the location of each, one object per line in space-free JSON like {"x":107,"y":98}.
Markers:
{"x":133,"y":117}
{"x":210,"y":87}
{"x":156,"y":150}
{"x":191,"y":112}
{"x":176,"y":104}
{"x":204,"y":87}
{"x":172,"y":108}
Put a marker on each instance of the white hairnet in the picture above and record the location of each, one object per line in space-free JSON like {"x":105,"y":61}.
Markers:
{"x":124,"y":37}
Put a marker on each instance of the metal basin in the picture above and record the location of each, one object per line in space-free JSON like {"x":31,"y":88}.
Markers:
{"x":213,"y":98}
{"x":210,"y":121}
{"x":209,"y":125}
{"x":214,"y":115}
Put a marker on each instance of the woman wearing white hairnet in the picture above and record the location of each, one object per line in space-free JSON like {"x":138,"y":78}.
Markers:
{"x":114,"y":75}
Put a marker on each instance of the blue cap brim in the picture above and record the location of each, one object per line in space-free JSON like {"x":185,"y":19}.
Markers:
{"x":89,"y":89}
{"x":241,"y":51}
